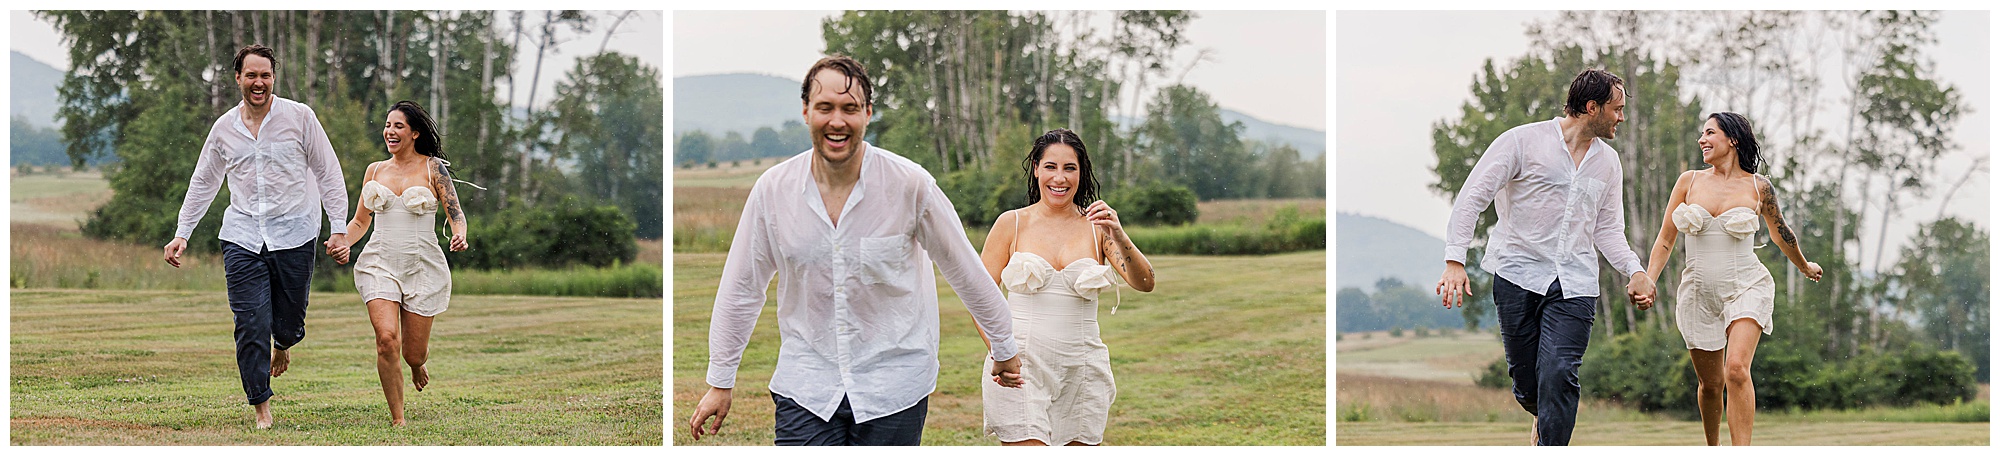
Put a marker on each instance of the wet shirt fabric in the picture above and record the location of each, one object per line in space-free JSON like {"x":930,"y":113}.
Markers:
{"x":857,"y":303}
{"x":279,"y":179}
{"x":1555,"y":214}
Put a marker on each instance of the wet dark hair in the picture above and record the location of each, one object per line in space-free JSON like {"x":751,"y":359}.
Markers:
{"x":1737,"y":128}
{"x":258,"y":49}
{"x":1086,"y":187}
{"x":429,"y":142}
{"x":1590,"y":85}
{"x":846,"y":66}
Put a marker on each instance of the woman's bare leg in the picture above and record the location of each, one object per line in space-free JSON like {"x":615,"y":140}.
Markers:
{"x":1743,"y":336}
{"x":417,"y":347}
{"x":384,"y":315}
{"x":1076,"y":443}
{"x":1708,"y":397}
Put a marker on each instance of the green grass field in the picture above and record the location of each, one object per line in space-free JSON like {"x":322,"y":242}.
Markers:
{"x":1228,"y":351}
{"x":157,"y":368}
{"x":1418,"y":391}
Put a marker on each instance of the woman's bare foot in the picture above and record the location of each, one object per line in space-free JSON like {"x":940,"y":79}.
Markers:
{"x":280,"y":360}
{"x":264,"y":418}
{"x":396,"y":422}
{"x":420,"y":376}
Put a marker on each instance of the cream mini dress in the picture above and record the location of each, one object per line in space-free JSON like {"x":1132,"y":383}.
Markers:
{"x":1724,"y":281}
{"x":402,"y":261}
{"x":1067,"y":367}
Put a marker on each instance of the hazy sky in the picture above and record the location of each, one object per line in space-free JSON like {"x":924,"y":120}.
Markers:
{"x":1268,"y":64}
{"x":640,"y":35}
{"x":1390,"y":91}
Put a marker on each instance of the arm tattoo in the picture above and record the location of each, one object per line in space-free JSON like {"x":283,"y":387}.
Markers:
{"x":1770,"y":196}
{"x":1115,"y":254}
{"x":441,"y":179}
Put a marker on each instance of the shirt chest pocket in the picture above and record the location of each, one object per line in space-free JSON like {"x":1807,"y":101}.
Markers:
{"x":1590,"y":193}
{"x":286,"y":157}
{"x":885,"y":263}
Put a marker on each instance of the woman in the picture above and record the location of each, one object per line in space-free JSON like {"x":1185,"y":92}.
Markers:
{"x":1069,"y":389}
{"x":402,"y":274}
{"x":1725,"y":295}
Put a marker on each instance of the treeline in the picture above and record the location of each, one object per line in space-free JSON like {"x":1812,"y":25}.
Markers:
{"x":146,"y":85}
{"x":1396,"y":305}
{"x":965,"y":93}
{"x":700,"y":148}
{"x":1896,"y":117}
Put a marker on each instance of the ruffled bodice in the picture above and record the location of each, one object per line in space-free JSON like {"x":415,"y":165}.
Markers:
{"x":1739,"y":222}
{"x":379,"y":198}
{"x":1030,"y":273}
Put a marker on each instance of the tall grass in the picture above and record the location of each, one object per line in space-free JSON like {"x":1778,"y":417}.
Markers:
{"x":619,"y":281}
{"x":705,"y":217}
{"x":47,"y":256}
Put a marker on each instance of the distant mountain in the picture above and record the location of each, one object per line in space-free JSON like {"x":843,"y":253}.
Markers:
{"x":738,"y":102}
{"x":743,"y":102}
{"x":1370,"y":248}
{"x":1310,"y":143}
{"x":32,"y":84}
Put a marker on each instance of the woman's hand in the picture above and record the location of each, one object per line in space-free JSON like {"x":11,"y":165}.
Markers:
{"x":458,"y":243}
{"x":1101,"y":214}
{"x":1812,"y":271}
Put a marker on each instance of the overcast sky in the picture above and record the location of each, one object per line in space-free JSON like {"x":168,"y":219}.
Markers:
{"x":1270,"y":65}
{"x":1390,"y":91}
{"x":640,"y":35}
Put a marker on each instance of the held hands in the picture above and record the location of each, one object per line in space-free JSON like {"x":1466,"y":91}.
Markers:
{"x":1641,"y":290}
{"x":1008,"y":373}
{"x":1100,"y":214}
{"x":1454,"y":287}
{"x":337,"y":247}
{"x":713,"y":404}
{"x":173,"y":251}
{"x":458,"y":243}
{"x":1812,"y":271}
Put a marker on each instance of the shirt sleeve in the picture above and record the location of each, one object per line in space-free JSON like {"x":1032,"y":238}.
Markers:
{"x":1609,"y":232}
{"x":746,"y":274}
{"x":325,"y":165}
{"x":944,"y":239}
{"x":1495,"y":168}
{"x":202,"y":187}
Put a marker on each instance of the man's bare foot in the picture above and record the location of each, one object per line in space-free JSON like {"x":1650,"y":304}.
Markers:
{"x":420,"y":376}
{"x":264,"y":418}
{"x":280,"y":360}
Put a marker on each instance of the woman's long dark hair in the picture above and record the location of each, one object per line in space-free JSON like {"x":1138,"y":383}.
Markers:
{"x":1086,"y":188}
{"x":1737,"y":128}
{"x":429,"y":142}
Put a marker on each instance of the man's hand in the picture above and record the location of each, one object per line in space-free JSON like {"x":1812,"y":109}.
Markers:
{"x":1454,"y":287}
{"x":337,"y":247}
{"x":174,"y":249}
{"x":713,"y":404}
{"x":1641,"y":290}
{"x":1008,"y":373}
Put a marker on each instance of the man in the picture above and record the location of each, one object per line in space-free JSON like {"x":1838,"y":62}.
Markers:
{"x":281,"y":171}
{"x":1556,"y":185}
{"x":853,"y":229}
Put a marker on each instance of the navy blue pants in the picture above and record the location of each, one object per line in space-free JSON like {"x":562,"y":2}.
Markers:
{"x":800,"y":427}
{"x":1545,"y":336}
{"x":267,"y":292}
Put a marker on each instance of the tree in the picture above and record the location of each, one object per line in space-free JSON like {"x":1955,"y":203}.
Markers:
{"x":1945,"y":275}
{"x":693,"y":148}
{"x":1184,"y":136}
{"x":608,"y":119}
